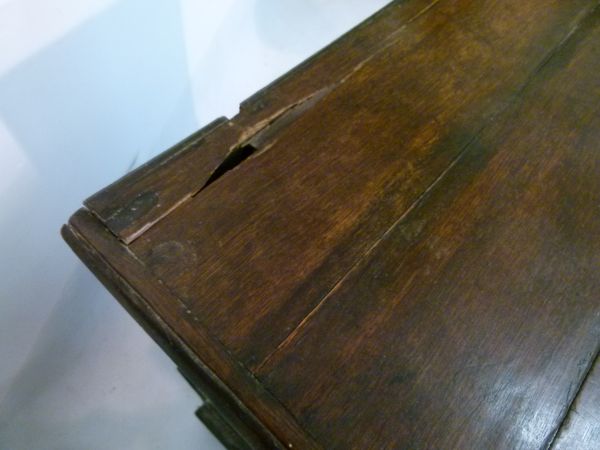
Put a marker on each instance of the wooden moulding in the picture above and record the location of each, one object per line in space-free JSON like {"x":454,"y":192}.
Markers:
{"x":198,"y":365}
{"x":228,"y":436}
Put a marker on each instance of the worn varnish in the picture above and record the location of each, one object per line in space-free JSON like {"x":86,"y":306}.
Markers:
{"x":396,"y":245}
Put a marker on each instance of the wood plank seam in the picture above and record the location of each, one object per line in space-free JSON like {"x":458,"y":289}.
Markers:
{"x":586,"y":15}
{"x":365,"y":255}
{"x":146,"y":169}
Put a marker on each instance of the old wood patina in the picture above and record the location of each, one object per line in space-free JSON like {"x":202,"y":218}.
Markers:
{"x":395,"y":245}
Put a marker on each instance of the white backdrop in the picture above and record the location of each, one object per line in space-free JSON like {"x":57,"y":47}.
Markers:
{"x":88,"y":89}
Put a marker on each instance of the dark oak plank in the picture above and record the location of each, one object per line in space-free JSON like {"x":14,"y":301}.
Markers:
{"x":474,"y":320}
{"x":581,"y":429}
{"x":257,"y":250}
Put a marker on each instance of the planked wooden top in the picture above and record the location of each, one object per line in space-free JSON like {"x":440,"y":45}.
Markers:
{"x":396,"y":245}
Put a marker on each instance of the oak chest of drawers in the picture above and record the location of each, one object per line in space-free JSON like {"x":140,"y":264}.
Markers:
{"x":396,"y":245}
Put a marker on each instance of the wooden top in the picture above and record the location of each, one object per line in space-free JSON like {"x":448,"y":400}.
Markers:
{"x":395,"y":245}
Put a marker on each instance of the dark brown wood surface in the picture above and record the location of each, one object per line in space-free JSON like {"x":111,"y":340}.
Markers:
{"x":581,"y":429}
{"x":396,"y":245}
{"x":477,"y":313}
{"x":319,"y":200}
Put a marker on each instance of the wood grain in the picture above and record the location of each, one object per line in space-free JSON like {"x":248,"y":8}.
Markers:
{"x":395,"y":245}
{"x":257,"y":250}
{"x":221,"y":429}
{"x":581,"y":428}
{"x":142,"y":198}
{"x":206,"y":364}
{"x":475,"y":319}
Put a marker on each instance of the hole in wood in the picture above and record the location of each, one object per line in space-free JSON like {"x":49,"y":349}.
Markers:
{"x":233,"y":159}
